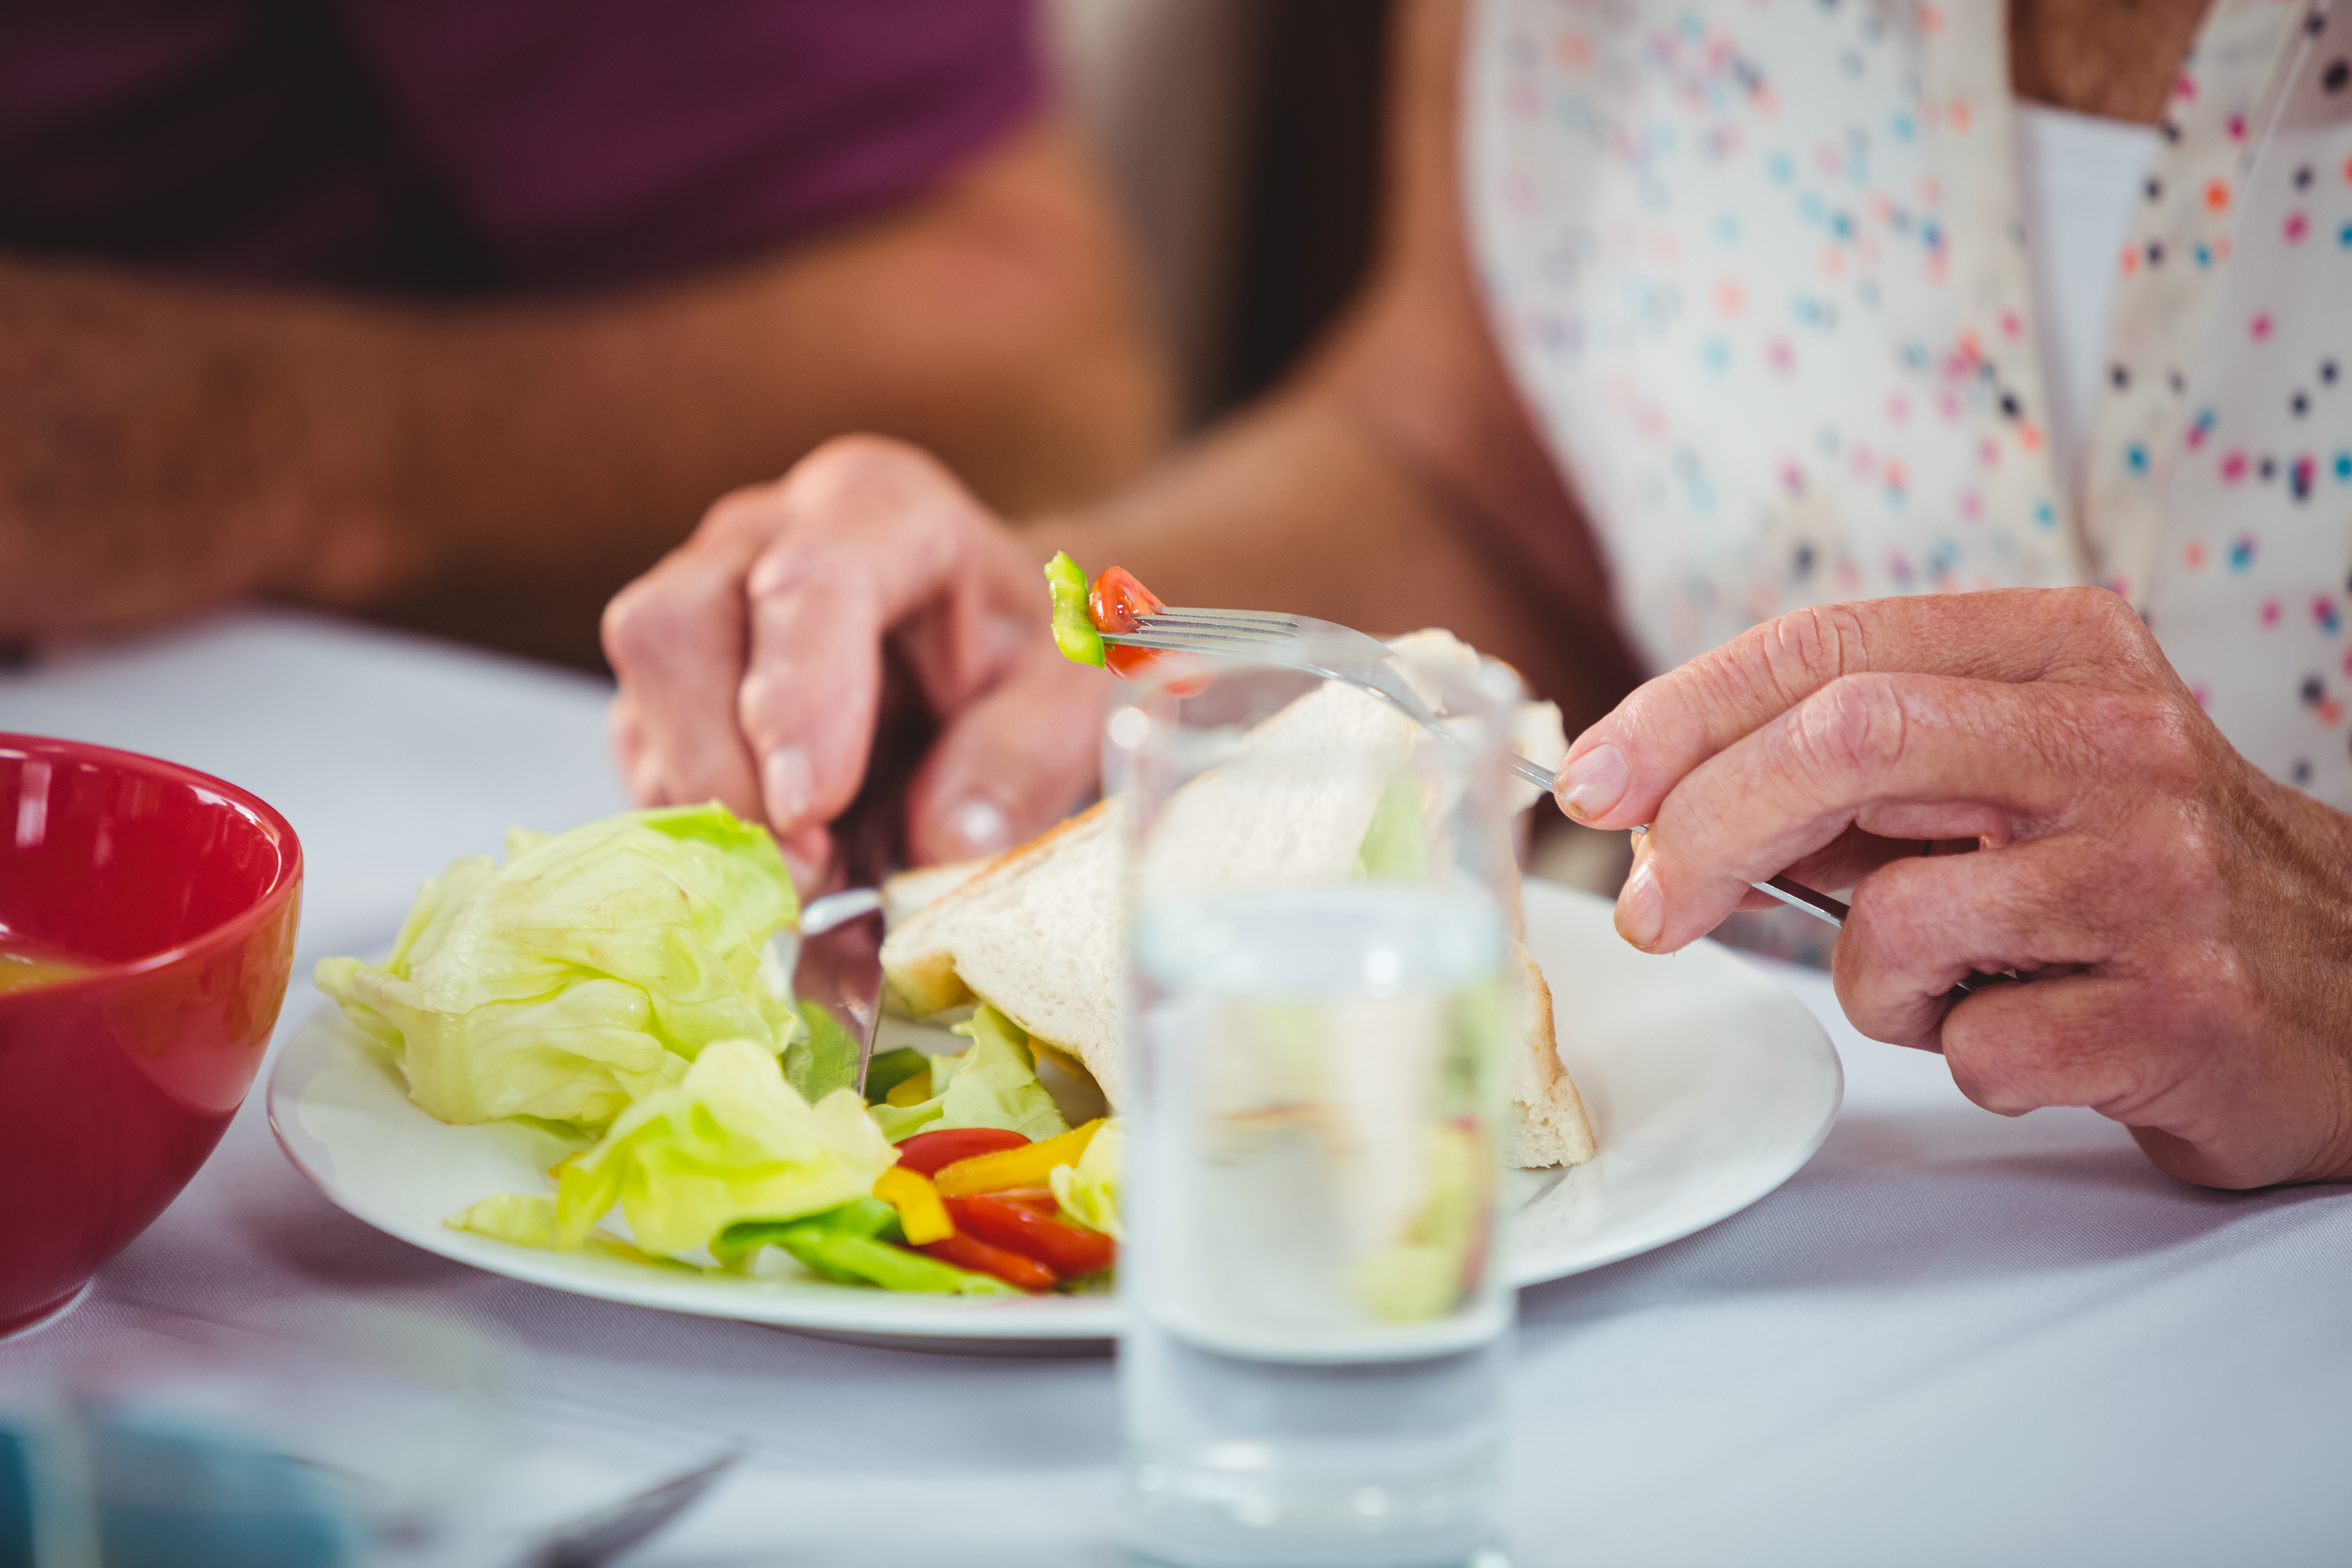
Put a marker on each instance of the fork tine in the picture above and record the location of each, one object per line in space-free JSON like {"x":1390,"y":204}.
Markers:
{"x":1208,"y":629}
{"x":1196,"y":612}
{"x":1184,"y":627}
{"x":1253,"y":619}
{"x":1189,"y":641}
{"x":1271,"y":628}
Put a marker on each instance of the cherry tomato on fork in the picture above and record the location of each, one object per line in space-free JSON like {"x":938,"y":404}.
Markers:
{"x":1116,"y":604}
{"x":1118,"y":601}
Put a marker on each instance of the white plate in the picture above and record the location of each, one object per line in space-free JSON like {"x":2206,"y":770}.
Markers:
{"x":1707,"y":1084}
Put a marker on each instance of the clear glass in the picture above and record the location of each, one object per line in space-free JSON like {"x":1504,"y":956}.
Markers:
{"x":1316,"y":1336}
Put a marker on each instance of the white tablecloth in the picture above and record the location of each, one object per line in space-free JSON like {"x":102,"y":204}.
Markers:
{"x":1952,"y":1338}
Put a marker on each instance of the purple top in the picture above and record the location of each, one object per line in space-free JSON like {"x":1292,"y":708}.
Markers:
{"x":470,"y":146}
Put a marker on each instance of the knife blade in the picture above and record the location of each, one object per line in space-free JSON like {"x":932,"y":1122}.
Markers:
{"x":837,"y":973}
{"x":837,"y":981}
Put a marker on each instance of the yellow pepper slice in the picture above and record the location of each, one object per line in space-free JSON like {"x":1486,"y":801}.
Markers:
{"x":1031,"y":1165}
{"x":911,"y":1090}
{"x":920,"y":1213}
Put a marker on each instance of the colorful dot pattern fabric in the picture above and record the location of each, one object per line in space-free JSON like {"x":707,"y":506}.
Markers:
{"x":1760,"y":267}
{"x":2225,"y":485}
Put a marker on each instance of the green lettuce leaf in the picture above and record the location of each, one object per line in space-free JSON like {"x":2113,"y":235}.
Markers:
{"x":994,"y":1084}
{"x":868,"y":1217}
{"x":585,"y":973}
{"x":510,"y":1217}
{"x":733,"y":1141}
{"x":1087,"y":1191}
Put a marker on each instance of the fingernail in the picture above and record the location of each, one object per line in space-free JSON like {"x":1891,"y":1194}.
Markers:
{"x":1592,"y":783}
{"x":788,"y":783}
{"x":982,"y":824}
{"x":1641,"y":907}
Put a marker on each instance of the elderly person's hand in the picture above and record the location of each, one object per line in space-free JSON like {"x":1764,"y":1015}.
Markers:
{"x":752,"y":659}
{"x":2188,"y":920}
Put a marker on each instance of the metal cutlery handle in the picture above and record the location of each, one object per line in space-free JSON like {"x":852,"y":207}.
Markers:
{"x":1797,"y":896}
{"x":1822,"y":907}
{"x":821,"y":915}
{"x":596,"y":1538}
{"x":1534,"y":773}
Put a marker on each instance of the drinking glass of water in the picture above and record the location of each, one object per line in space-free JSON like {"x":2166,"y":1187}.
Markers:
{"x":1317,"y":1328}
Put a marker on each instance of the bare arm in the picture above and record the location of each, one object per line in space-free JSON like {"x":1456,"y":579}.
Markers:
{"x":1393,"y":482}
{"x":1396,"y":480}
{"x":1374,"y":488}
{"x":505,"y":468}
{"x":1402,"y":440}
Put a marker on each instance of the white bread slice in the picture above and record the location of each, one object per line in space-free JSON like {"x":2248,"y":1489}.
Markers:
{"x":1537,"y":733}
{"x":1547,"y":1125}
{"x":908,"y":891}
{"x":1279,"y":814}
{"x":1036,"y":931}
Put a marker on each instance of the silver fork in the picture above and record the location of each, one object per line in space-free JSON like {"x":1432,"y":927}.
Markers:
{"x":1342,"y":652}
{"x":596,"y":1538}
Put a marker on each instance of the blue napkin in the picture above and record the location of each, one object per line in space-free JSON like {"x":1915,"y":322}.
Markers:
{"x":171,"y":1495}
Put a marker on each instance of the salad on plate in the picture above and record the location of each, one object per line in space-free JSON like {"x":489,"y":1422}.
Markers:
{"x":619,"y":984}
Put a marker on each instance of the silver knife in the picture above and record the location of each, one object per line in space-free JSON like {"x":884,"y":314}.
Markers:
{"x":838,"y":975}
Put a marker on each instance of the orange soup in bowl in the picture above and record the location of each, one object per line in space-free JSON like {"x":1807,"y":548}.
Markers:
{"x":25,"y":964}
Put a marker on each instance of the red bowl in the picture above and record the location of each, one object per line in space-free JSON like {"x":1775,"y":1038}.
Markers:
{"x":116,"y":1083}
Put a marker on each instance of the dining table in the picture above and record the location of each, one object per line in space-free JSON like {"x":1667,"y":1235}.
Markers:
{"x":1952,"y":1337}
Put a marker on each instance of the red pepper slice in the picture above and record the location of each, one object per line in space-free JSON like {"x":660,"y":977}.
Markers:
{"x":1042,"y":1199}
{"x":1067,"y":1249}
{"x":928,"y":1151}
{"x":970,"y":1252}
